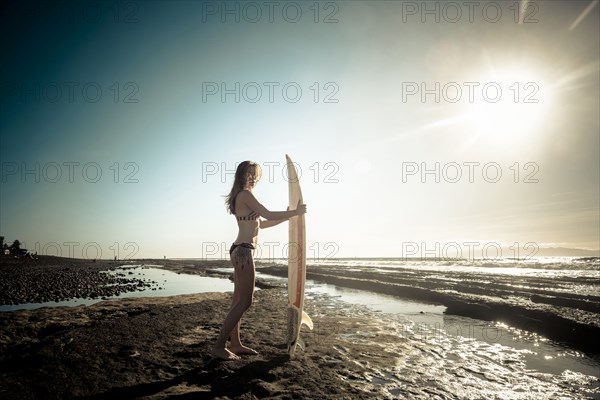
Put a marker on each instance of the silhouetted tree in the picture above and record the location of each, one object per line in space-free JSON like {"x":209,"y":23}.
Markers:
{"x":15,"y":248}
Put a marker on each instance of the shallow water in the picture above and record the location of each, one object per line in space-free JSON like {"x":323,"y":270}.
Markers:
{"x":457,"y":357}
{"x":566,"y":287}
{"x":428,"y":321}
{"x":163,"y":283}
{"x":173,"y":284}
{"x":460,"y":357}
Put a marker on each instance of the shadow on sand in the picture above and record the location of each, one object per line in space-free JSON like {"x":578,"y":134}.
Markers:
{"x":219,"y":376}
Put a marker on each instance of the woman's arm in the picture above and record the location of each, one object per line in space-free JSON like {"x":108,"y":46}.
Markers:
{"x":248,"y":198}
{"x":263,"y":223}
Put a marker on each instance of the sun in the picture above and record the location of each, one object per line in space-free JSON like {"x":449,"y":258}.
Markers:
{"x":508,"y":107}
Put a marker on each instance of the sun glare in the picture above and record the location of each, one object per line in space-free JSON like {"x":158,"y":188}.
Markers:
{"x":508,"y":107}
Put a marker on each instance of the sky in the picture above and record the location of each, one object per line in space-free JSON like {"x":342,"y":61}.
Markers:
{"x":417,"y":127}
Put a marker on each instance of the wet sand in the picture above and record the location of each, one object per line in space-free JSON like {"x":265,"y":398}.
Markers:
{"x":159,"y":348}
{"x":525,"y":302}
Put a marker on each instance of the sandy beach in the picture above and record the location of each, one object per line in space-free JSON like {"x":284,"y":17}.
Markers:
{"x":158,"y":348}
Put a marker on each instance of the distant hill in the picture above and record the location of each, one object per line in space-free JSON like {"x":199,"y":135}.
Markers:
{"x":564,"y":251}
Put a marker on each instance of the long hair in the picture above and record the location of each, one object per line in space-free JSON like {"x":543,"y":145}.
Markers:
{"x":247,"y":171}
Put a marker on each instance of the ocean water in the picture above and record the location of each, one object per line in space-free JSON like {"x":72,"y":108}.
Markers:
{"x":577,"y":275}
{"x":507,"y":265}
{"x":462,"y":357}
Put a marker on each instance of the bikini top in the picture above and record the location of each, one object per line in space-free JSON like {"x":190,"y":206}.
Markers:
{"x":246,"y":218}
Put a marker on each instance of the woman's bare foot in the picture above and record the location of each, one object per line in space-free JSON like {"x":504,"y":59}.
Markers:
{"x":224,"y":354}
{"x":243,"y":350}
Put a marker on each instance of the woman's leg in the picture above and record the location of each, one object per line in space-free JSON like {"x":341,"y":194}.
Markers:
{"x":243,"y":265}
{"x":236,"y":345}
{"x":234,"y":336}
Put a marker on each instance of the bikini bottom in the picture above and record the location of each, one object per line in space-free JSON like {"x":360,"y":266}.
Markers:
{"x":246,"y":245}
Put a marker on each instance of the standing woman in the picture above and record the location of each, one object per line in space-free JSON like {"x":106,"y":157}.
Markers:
{"x":242,"y":203}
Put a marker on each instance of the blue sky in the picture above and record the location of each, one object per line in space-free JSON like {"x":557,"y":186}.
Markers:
{"x":356,"y":130}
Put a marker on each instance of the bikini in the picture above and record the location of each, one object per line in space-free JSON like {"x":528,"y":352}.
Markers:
{"x":246,"y":245}
{"x":246,"y":218}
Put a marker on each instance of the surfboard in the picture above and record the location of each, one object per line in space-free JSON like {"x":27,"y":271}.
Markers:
{"x":296,"y":264}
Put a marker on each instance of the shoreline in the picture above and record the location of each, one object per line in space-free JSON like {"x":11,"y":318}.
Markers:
{"x":159,"y":348}
{"x":63,"y":278}
{"x":531,"y":314}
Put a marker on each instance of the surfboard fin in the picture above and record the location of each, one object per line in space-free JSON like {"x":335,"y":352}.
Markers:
{"x":306,"y":320}
{"x":301,"y":344}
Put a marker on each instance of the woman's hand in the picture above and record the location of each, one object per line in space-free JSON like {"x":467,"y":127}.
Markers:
{"x":300,"y":208}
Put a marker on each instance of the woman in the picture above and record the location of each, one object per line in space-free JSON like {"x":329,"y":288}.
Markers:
{"x":242,"y":203}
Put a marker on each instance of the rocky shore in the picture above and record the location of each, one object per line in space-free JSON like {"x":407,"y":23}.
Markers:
{"x":47,"y":279}
{"x":159,"y":348}
{"x":530,"y":303}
